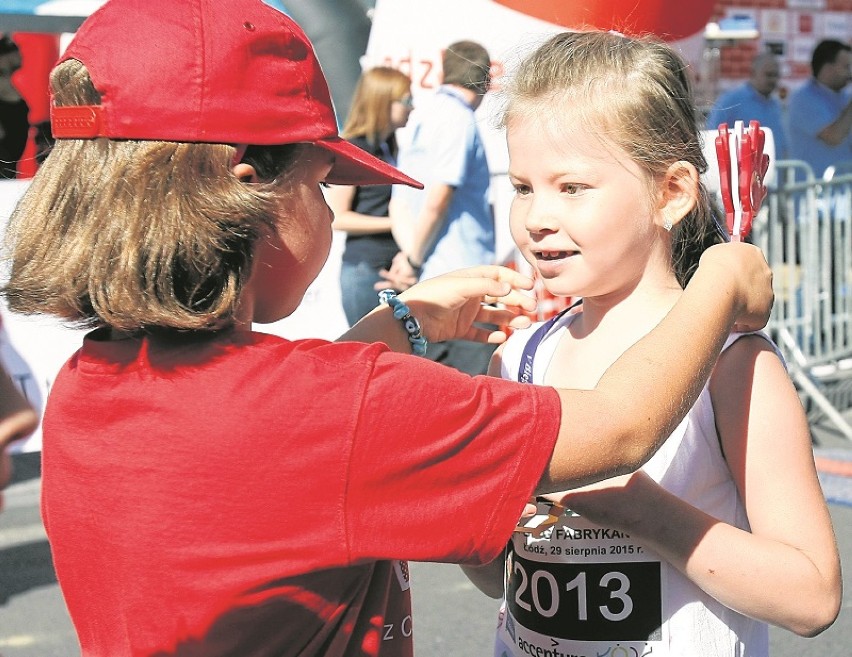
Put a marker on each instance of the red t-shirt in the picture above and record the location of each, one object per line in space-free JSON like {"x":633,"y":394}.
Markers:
{"x":246,"y":495}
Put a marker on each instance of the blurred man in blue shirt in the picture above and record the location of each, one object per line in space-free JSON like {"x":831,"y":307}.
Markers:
{"x":754,"y":101}
{"x":450,"y":222}
{"x":820,"y":113}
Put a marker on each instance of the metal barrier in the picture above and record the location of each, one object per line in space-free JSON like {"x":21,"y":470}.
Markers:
{"x":805,"y":230}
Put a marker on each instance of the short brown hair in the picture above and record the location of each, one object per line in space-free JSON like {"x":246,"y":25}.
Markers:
{"x":138,"y":235}
{"x":467,"y":64}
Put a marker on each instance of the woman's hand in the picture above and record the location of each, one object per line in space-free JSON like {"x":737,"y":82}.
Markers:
{"x":400,"y":276}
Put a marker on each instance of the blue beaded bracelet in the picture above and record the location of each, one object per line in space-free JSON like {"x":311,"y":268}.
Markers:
{"x":409,"y":323}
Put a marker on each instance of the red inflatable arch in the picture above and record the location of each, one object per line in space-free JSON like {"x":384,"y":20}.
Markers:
{"x":668,"y":19}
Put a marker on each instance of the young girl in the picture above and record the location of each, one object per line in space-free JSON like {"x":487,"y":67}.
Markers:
{"x":725,"y":529}
{"x":212,"y":490}
{"x":381,"y":105}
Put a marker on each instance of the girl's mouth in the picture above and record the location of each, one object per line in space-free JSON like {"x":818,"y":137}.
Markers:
{"x":553,"y":255}
{"x":551,"y":264}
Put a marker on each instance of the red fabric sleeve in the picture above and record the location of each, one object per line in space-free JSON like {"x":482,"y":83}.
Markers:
{"x":442,"y":473}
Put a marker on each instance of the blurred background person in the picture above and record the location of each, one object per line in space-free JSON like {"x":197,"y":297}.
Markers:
{"x":18,"y":420}
{"x":820,"y":113}
{"x":14,"y":112}
{"x":755,"y":100}
{"x":380,"y":105}
{"x":449,"y":224}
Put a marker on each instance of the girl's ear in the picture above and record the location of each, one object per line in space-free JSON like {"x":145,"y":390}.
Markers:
{"x":245,"y":172}
{"x":679,"y":193}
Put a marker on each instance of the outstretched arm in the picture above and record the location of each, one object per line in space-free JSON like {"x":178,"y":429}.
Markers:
{"x":612,"y":430}
{"x":609,"y":430}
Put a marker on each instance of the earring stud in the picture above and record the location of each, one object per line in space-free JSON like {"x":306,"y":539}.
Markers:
{"x":667,"y":224}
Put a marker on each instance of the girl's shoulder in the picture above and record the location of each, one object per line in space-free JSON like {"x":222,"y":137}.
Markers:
{"x":748,"y":362}
{"x":757,"y":340}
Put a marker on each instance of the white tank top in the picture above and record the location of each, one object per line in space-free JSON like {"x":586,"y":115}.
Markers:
{"x":580,"y":589}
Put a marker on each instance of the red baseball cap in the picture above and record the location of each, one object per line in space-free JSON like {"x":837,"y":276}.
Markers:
{"x":213,"y":71}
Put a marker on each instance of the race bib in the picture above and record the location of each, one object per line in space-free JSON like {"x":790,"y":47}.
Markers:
{"x":574,"y":588}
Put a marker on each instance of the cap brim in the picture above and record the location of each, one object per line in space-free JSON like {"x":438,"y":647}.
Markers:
{"x":354,"y":166}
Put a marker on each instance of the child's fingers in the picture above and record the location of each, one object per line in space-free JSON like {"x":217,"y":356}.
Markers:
{"x":520,"y":322}
{"x":514,"y":299}
{"x":484,"y":335}
{"x":497,"y":337}
{"x":502,"y":317}
{"x":516,"y":279}
{"x":498,"y":273}
{"x":492,"y":291}
{"x":491,"y":336}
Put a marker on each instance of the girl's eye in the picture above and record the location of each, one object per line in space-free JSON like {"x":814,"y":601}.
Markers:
{"x":522,"y":190}
{"x":572,"y":188}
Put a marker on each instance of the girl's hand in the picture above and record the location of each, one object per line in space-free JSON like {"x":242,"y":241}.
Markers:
{"x":609,"y":503}
{"x":449,"y":307}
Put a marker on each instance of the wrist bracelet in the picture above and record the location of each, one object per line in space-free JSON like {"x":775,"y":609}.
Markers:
{"x":402,"y":312}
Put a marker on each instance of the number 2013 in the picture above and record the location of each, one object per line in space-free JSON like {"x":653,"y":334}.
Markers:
{"x":616,"y":583}
{"x":587,"y":601}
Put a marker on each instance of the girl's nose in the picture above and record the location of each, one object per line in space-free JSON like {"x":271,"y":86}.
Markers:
{"x":540,"y":218}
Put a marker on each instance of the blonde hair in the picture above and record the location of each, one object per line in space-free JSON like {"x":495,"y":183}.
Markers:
{"x":138,"y":235}
{"x":634,"y":93}
{"x":370,"y":109}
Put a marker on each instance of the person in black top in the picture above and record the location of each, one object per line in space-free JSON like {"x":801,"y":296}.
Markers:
{"x":380,"y":105}
{"x":14,"y":112}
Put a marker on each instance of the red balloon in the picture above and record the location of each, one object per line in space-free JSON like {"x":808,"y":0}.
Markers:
{"x":668,"y":19}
